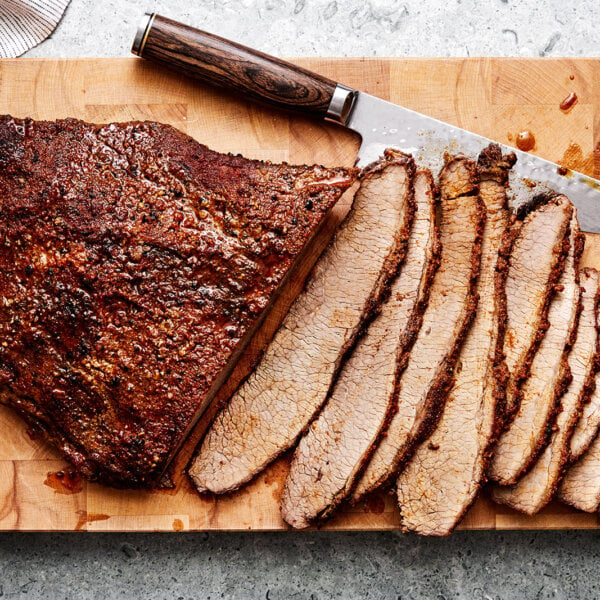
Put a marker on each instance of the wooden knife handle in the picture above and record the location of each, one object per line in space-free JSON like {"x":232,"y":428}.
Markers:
{"x":229,"y":65}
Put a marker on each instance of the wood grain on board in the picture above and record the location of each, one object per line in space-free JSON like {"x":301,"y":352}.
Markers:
{"x":494,"y":97}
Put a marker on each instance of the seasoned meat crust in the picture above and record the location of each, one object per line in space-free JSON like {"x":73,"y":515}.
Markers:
{"x":277,"y":402}
{"x":135,"y":262}
{"x":330,"y":456}
{"x":447,"y":470}
{"x":452,"y":302}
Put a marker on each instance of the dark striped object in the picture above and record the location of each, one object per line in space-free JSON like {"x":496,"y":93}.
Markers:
{"x":26,"y":23}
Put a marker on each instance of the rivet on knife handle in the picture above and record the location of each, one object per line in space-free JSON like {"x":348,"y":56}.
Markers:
{"x":229,"y":65}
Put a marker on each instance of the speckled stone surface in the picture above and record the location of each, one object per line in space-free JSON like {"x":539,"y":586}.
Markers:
{"x":346,"y":27}
{"x":486,"y":565}
{"x":295,"y":566}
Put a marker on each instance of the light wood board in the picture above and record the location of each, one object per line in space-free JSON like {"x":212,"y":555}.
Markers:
{"x":494,"y":97}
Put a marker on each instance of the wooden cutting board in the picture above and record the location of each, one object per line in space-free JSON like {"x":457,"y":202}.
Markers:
{"x":494,"y":97}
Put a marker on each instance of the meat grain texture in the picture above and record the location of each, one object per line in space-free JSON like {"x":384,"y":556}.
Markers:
{"x":535,"y":266}
{"x":280,"y":398}
{"x":135,"y":263}
{"x":533,"y":491}
{"x":529,"y":432}
{"x":445,"y":474}
{"x":586,"y":430}
{"x":428,"y":374}
{"x":580,"y":487}
{"x":330,"y":456}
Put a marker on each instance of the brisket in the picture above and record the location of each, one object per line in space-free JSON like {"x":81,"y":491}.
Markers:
{"x":277,"y":402}
{"x":443,"y":477}
{"x":529,"y":432}
{"x":533,"y":491}
{"x":135,"y":264}
{"x":580,"y":486}
{"x":535,"y":266}
{"x":331,"y":454}
{"x":452,"y":302}
{"x":586,"y":429}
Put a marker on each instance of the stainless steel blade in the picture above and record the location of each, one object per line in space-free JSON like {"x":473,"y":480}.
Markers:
{"x":383,"y":125}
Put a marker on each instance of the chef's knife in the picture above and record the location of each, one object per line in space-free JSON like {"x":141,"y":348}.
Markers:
{"x":380,"y":124}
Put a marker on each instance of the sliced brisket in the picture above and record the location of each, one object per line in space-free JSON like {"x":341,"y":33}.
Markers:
{"x":331,"y":454}
{"x":135,"y":262}
{"x":580,"y":487}
{"x":443,"y":477}
{"x":586,"y":429}
{"x":289,"y":386}
{"x":533,"y":491}
{"x":529,"y":432}
{"x":535,"y":266}
{"x":452,"y":302}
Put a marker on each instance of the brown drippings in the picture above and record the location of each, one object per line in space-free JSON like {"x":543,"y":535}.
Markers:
{"x":86,"y":517}
{"x":207,"y":497}
{"x":573,"y":158}
{"x":375,"y":504}
{"x":564,"y":171}
{"x":525,"y":140}
{"x":278,"y":471}
{"x":569,"y":102}
{"x":178,"y":525}
{"x":529,"y":183}
{"x":64,"y":482}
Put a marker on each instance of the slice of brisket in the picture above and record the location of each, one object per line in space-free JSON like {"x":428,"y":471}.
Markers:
{"x":135,"y":264}
{"x":533,"y":491}
{"x":331,"y":454}
{"x":452,"y":302}
{"x":443,"y":477}
{"x":535,"y":266}
{"x":581,"y":485}
{"x":277,"y":402}
{"x":529,"y":432}
{"x":586,"y":429}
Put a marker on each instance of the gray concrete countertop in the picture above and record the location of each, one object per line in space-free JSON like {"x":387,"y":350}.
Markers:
{"x":487,"y":565}
{"x":346,"y":27}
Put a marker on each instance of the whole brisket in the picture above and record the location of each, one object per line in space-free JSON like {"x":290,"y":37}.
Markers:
{"x":135,"y":264}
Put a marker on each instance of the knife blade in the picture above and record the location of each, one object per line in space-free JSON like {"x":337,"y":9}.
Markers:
{"x":427,"y":139}
{"x":380,"y":124}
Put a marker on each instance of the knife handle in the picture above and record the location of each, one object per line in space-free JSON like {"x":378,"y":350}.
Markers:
{"x":223,"y":63}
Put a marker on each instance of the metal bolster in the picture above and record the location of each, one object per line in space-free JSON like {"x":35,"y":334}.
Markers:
{"x":142,"y":33}
{"x":341,"y":104}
